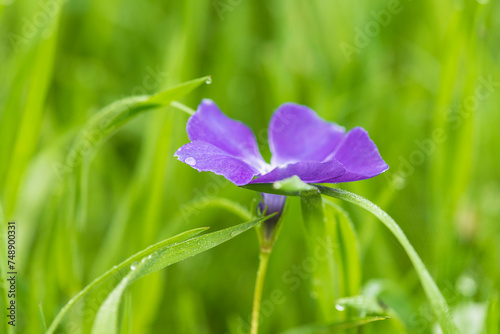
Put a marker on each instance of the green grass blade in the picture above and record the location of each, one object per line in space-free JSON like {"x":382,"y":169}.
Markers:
{"x":107,"y":317}
{"x":324,"y":277}
{"x":43,"y":323}
{"x":436,"y":299}
{"x":492,"y":320}
{"x":434,"y":296}
{"x":125,"y":264}
{"x":107,"y":121}
{"x":347,"y":254}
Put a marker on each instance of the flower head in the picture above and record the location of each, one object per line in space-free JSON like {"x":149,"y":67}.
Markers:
{"x":301,"y":144}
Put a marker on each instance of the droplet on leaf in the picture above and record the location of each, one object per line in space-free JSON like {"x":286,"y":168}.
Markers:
{"x":133,"y":266}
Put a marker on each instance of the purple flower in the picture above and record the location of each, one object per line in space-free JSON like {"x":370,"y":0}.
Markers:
{"x":271,"y":204}
{"x":301,"y":144}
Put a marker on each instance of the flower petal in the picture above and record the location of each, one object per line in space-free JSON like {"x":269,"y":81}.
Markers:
{"x":296,"y":133}
{"x":308,"y":171}
{"x":210,"y":125}
{"x":204,"y":157}
{"x":360,"y":157}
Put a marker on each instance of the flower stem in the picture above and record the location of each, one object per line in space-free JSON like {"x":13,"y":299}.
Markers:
{"x":182,"y":107}
{"x":259,"y":285}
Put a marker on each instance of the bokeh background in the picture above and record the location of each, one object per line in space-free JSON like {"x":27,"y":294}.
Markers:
{"x":422,"y":77}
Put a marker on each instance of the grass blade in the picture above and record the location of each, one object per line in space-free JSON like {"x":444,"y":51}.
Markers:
{"x":43,"y":323}
{"x":125,"y":264}
{"x":434,"y":296}
{"x":107,"y":317}
{"x":106,"y":122}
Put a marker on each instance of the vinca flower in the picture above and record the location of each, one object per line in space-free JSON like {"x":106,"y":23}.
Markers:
{"x":300,"y":141}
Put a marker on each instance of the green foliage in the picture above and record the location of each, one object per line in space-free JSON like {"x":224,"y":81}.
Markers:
{"x":424,"y":85}
{"x":156,"y":258}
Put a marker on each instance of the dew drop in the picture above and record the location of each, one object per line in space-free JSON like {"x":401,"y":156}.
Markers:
{"x":149,"y":256}
{"x":133,"y":266}
{"x":235,"y":233}
{"x":339,"y":307}
{"x":190,"y":161}
{"x":208,"y":81}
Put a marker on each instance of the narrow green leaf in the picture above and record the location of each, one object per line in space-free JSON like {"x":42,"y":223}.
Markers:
{"x":170,"y":95}
{"x":43,"y":323}
{"x":30,"y":105}
{"x":324,"y":279}
{"x":348,"y":254}
{"x":107,"y":317}
{"x":335,"y":327}
{"x":492,"y":321}
{"x":125,"y":264}
{"x":434,"y":296}
{"x":106,"y":122}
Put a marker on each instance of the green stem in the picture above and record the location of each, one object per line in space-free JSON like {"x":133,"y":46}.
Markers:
{"x":182,"y":107}
{"x":259,"y":286}
{"x":436,"y":299}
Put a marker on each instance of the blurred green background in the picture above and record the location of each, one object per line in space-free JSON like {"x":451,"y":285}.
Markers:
{"x":422,"y":77}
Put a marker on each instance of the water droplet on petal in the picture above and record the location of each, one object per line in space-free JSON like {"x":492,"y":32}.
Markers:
{"x":208,"y":81}
{"x":190,"y":161}
{"x":339,"y":307}
{"x":149,"y":256}
{"x":133,"y":266}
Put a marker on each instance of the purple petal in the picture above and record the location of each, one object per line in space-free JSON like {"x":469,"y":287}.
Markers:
{"x":273,"y":203}
{"x":207,"y":157}
{"x":308,"y":171}
{"x":360,"y":157}
{"x":296,"y":133}
{"x":210,"y":125}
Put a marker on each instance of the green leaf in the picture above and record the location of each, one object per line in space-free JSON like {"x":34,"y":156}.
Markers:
{"x":99,"y":128}
{"x":330,"y":232}
{"x":492,"y":321}
{"x":107,"y":317}
{"x":348,"y":252}
{"x":170,"y":95}
{"x":324,"y":277}
{"x":43,"y":323}
{"x":434,"y":296}
{"x":125,"y":264}
{"x":335,"y":327}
